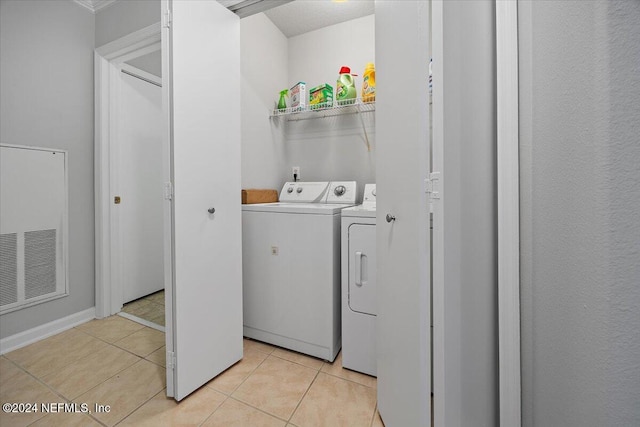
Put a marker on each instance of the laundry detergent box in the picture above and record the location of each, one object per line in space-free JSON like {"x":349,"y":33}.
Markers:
{"x":298,"y":95}
{"x":321,"y":96}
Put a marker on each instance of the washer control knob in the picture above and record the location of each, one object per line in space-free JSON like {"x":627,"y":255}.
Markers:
{"x":299,"y":190}
{"x":290,"y":190}
{"x":340,"y":190}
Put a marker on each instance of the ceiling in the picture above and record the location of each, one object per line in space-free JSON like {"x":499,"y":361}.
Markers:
{"x":293,"y":18}
{"x":94,"y":5}
{"x":302,"y":16}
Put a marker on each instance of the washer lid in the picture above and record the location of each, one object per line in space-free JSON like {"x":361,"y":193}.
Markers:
{"x":361,"y":211}
{"x":296,"y":208}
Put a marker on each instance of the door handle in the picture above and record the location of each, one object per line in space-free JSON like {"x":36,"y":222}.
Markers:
{"x":358,"y":269}
{"x":361,"y":278}
{"x":211,"y":210}
{"x":390,"y":218}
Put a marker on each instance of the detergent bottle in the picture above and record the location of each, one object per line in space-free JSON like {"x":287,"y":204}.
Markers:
{"x":282,"y":103}
{"x":346,"y":88}
{"x":369,"y":83}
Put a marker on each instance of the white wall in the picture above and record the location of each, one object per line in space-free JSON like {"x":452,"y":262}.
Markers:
{"x":263,"y":63}
{"x":580,"y":204}
{"x":333,"y":148}
{"x":151,"y":63}
{"x":124,"y":17}
{"x":325,"y":149}
{"x":46,"y":81}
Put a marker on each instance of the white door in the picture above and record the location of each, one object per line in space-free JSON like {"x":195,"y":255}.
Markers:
{"x":402,"y":135}
{"x":201,"y":63}
{"x":140,"y":183}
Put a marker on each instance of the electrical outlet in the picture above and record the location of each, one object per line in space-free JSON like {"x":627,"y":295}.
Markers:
{"x":275,"y":250}
{"x":296,"y":171}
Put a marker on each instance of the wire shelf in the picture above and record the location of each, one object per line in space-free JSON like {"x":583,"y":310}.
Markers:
{"x":352,"y":106}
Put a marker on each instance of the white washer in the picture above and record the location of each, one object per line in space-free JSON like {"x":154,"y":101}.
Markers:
{"x":359,"y":296}
{"x":291,"y":267}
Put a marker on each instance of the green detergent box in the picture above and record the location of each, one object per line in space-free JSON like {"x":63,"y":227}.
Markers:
{"x":321,"y":97}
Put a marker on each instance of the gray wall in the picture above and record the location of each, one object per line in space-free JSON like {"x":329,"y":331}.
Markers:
{"x":46,"y":81}
{"x":124,"y":17}
{"x":580,"y":212}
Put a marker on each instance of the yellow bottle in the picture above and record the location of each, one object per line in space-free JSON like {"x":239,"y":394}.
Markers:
{"x":369,"y":83}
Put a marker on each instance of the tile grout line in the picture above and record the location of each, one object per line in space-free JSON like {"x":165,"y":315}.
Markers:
{"x":247,"y":377}
{"x":112,"y":376}
{"x":319,"y":370}
{"x":228,"y":396}
{"x":130,"y":352}
{"x":297,"y":363}
{"x":123,"y":369}
{"x":140,"y":406}
{"x":71,"y":400}
{"x":156,"y":308}
{"x":375,"y":410}
{"x":25,"y":369}
{"x":47,"y":386}
{"x":303,"y":396}
{"x":98,"y":338}
{"x":141,"y":320}
{"x":347,"y":379}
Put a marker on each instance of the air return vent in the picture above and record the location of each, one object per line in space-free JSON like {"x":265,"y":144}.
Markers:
{"x":33,"y":226}
{"x":8,"y":268}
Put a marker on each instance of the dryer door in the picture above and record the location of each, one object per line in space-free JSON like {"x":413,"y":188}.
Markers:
{"x":362,"y":268}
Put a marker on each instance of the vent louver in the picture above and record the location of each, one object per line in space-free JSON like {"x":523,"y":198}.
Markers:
{"x":8,"y":268}
{"x":39,"y":263}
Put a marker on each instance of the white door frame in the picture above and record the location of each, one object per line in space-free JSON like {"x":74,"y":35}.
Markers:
{"x":108,"y":61}
{"x":148,"y":40}
{"x":508,"y":212}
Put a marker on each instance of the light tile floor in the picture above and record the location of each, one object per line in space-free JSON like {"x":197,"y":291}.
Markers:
{"x":149,"y":308}
{"x":120,"y":363}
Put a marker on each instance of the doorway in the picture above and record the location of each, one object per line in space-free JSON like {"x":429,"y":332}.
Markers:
{"x":138,"y":175}
{"x":129,"y":173}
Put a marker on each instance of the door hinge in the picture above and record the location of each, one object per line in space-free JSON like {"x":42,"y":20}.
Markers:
{"x":171,"y":359}
{"x":168,"y":191}
{"x":432,"y":185}
{"x":167,"y":19}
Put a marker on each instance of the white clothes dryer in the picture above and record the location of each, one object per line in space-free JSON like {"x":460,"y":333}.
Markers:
{"x":359,"y":296}
{"x":291,"y":267}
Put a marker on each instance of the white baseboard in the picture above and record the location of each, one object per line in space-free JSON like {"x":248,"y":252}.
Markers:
{"x":38,"y":333}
